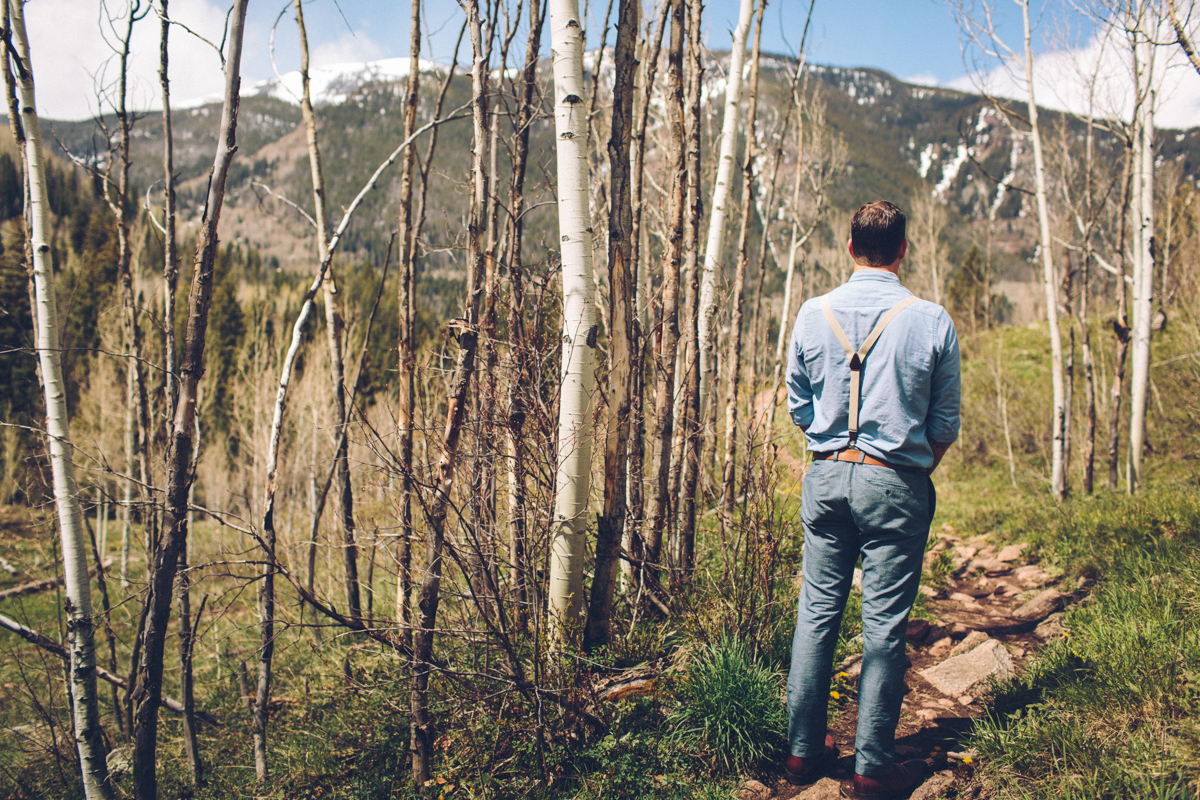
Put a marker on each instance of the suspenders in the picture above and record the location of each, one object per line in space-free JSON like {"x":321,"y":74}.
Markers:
{"x":857,"y":357}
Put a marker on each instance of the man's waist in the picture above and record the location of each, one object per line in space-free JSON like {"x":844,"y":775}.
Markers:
{"x":856,"y":456}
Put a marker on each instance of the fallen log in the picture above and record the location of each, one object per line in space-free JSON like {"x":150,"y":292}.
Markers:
{"x":33,"y":587}
{"x":30,"y":588}
{"x":51,"y":646}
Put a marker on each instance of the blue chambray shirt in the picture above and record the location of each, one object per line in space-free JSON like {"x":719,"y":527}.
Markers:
{"x":911,"y":384}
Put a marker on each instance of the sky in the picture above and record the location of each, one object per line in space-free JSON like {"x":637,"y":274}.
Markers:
{"x":915,"y":40}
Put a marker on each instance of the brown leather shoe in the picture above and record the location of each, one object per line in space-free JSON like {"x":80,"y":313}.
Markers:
{"x":802,"y":771}
{"x":899,"y":784}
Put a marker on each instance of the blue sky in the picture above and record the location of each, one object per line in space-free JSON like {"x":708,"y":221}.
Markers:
{"x":912,"y":39}
{"x":909,"y":38}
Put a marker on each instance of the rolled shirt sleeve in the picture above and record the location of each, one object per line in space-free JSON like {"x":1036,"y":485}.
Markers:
{"x":799,"y":387}
{"x":945,"y":395}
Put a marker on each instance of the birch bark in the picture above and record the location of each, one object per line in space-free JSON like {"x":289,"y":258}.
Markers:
{"x":89,"y":738}
{"x":572,"y":478}
{"x":1058,"y":419}
{"x":1143,"y":230}
{"x":721,"y":196}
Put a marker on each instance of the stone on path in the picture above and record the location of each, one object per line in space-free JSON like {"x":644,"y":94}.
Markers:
{"x":1043,"y":605}
{"x":1050,"y":628}
{"x":754,"y":790}
{"x":1031,"y":576}
{"x":824,"y":789}
{"x":1012,"y":552}
{"x":973,"y":640}
{"x":933,"y":786}
{"x":961,"y":674}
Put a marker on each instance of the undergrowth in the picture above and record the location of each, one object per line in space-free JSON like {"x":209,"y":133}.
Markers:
{"x":1113,"y":709}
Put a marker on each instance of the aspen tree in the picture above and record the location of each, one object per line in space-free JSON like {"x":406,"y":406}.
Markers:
{"x":733,"y":366}
{"x":721,"y":197}
{"x":1058,"y":478}
{"x":89,"y":738}
{"x":982,"y":32}
{"x":572,"y":479}
{"x":1142,"y":49}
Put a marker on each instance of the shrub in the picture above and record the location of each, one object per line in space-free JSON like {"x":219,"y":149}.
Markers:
{"x":731,"y":709}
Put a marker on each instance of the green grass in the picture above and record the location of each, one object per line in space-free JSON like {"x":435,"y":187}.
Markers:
{"x":731,"y":711}
{"x":1113,"y":709}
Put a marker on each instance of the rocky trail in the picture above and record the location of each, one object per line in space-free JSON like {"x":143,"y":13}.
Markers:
{"x":987,"y":619}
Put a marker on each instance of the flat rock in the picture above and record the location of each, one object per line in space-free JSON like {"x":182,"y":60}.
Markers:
{"x":991,"y":566}
{"x":959,"y":675}
{"x":1012,"y":552}
{"x":1050,"y":628}
{"x":824,"y":789}
{"x":962,"y":597}
{"x":754,"y":790}
{"x":973,"y":640}
{"x":933,"y":786}
{"x":1031,"y":576}
{"x":1043,"y":605}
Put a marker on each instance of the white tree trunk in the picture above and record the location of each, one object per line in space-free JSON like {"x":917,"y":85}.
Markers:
{"x":1057,"y":472}
{"x":720,"y":203}
{"x":82,"y":686}
{"x":579,"y":327}
{"x":1143,"y":241}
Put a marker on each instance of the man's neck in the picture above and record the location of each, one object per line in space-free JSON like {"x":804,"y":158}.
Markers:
{"x":892,"y":269}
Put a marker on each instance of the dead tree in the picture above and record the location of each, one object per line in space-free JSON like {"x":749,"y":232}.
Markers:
{"x":611,"y":523}
{"x":662,"y":428}
{"x":684,"y":544}
{"x":526,"y":113}
{"x":146,"y":693}
{"x":334,"y":327}
{"x":421,"y":725}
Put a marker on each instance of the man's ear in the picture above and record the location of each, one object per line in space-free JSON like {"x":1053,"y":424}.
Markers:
{"x":903,"y":250}
{"x":850,"y":250}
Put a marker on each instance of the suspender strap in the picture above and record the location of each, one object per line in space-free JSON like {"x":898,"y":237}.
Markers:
{"x":857,"y":357}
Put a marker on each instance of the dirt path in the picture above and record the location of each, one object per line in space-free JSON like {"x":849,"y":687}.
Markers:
{"x":989,"y":618}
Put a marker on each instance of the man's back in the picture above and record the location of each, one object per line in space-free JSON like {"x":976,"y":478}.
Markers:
{"x":910,"y":378}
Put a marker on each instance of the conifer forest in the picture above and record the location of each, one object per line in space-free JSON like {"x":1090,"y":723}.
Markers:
{"x":417,"y":428}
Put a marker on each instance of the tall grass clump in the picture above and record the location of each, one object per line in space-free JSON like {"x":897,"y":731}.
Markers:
{"x":731,"y":710}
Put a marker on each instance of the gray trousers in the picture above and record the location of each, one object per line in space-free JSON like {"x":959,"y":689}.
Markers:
{"x":883,"y":515}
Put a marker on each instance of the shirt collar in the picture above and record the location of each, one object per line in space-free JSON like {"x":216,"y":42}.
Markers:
{"x":874,"y":275}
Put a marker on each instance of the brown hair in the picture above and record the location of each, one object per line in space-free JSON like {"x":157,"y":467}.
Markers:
{"x":877,"y":233}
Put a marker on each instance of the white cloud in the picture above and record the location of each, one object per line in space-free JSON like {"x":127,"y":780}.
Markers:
{"x":923,"y":79}
{"x":346,"y":48}
{"x":73,"y":63}
{"x":1062,"y":79}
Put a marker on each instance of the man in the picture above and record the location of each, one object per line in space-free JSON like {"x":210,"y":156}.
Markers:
{"x":873,"y":380}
